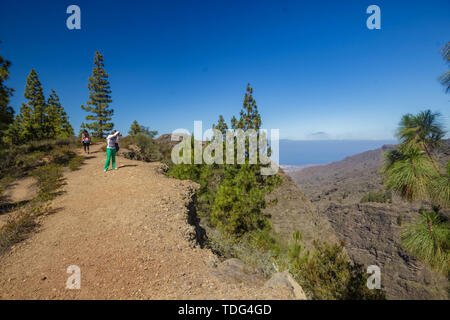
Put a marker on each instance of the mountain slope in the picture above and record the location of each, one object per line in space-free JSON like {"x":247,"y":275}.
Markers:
{"x":371,"y":230}
{"x":293,"y":211}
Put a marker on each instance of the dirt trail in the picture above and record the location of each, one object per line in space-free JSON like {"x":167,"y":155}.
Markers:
{"x":19,"y":192}
{"x":125,"y":230}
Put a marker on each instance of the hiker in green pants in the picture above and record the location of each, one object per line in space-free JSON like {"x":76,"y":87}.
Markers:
{"x":111,"y":141}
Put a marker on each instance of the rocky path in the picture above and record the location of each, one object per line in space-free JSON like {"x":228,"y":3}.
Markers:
{"x":127,"y":231}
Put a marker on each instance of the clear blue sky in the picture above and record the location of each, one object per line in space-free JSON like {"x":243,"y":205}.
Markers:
{"x":316,"y":70}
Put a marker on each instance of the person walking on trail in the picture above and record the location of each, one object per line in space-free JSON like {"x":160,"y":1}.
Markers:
{"x":111,"y":141}
{"x":86,"y":140}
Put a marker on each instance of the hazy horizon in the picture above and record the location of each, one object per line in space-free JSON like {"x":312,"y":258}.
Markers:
{"x":318,"y":152}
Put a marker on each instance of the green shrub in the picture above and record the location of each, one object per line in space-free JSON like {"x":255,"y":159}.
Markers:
{"x":148,"y":148}
{"x":231,"y":198}
{"x":30,"y":160}
{"x":209,"y":179}
{"x":47,"y":145}
{"x":43,"y":160}
{"x":15,"y":230}
{"x":258,"y":249}
{"x":17,"y":160}
{"x":2,"y":190}
{"x":49,"y":180}
{"x":95,"y":140}
{"x":295,"y":253}
{"x":76,"y":162}
{"x":62,"y":155}
{"x":327,"y":273}
{"x":4,"y":183}
{"x":380,"y":196}
{"x":239,"y":202}
{"x":19,"y":225}
{"x":125,"y":142}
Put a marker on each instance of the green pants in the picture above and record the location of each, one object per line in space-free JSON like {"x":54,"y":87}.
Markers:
{"x":110,"y":153}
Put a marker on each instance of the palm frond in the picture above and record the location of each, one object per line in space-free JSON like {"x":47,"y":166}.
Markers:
{"x":428,"y":239}
{"x":440,"y":189}
{"x":411,"y":175}
{"x":445,"y":81}
{"x":445,"y":78}
{"x":424,"y":127}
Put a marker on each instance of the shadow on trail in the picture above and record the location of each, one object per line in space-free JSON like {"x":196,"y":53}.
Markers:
{"x":54,"y":210}
{"x":127,"y":165}
{"x":11,"y":206}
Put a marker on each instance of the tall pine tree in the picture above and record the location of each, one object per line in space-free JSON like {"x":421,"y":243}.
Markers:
{"x":83,"y":127}
{"x":136,"y":129}
{"x":6,"y":111}
{"x":31,"y":123}
{"x":249,"y":115}
{"x":57,"y":119}
{"x":99,"y":100}
{"x":221,"y":125}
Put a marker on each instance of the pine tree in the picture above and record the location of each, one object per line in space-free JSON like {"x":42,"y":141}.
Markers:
{"x":57,"y":119}
{"x":250,"y":117}
{"x":83,"y":127}
{"x":221,"y":125}
{"x":14,"y":134}
{"x":6,"y":111}
{"x":99,"y":99}
{"x":239,"y":203}
{"x":66,"y":128}
{"x":136,"y":129}
{"x":30,"y":124}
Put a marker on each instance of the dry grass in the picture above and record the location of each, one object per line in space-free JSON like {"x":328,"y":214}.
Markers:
{"x":76,"y":162}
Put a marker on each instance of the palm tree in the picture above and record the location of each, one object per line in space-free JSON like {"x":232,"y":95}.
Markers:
{"x":428,"y":239}
{"x":423,"y":130}
{"x":440,"y":189}
{"x":408,"y":172}
{"x":445,"y":78}
{"x":412,"y":172}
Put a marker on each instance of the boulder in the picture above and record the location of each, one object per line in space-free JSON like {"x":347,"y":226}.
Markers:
{"x":236,"y":270}
{"x":285,"y":280}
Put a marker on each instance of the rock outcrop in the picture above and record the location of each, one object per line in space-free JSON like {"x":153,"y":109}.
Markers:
{"x":293,"y":212}
{"x":281,"y":283}
{"x":372,"y":237}
{"x":285,"y":280}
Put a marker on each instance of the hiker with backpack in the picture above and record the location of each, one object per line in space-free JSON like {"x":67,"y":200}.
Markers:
{"x":112,"y":142}
{"x":86,"y":140}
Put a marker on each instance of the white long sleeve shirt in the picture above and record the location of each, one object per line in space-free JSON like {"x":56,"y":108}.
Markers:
{"x":111,"y":140}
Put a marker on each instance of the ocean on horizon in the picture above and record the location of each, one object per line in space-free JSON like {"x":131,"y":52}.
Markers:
{"x":308,"y":152}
